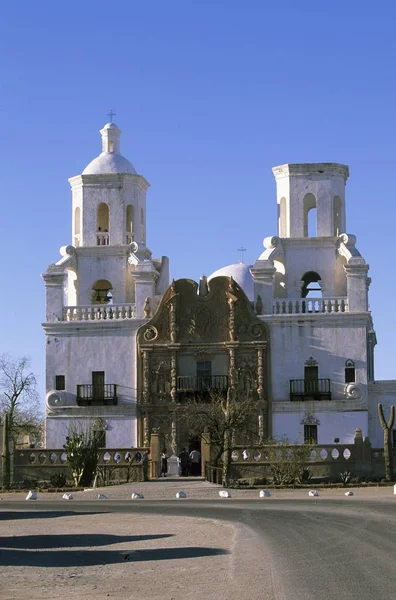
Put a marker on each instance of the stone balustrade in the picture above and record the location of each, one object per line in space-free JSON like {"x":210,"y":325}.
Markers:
{"x":311,"y":306}
{"x":320,"y":453}
{"x":58,"y":458}
{"x":97,"y":312}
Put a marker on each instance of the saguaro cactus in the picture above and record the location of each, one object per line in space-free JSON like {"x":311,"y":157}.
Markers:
{"x":387,"y":427}
{"x":5,"y":456}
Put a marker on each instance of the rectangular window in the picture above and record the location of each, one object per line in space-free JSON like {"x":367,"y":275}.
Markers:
{"x":310,"y":434}
{"x":60,"y":382}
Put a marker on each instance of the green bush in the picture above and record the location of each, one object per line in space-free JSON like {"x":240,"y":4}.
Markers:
{"x":58,"y":480}
{"x":345,"y":477}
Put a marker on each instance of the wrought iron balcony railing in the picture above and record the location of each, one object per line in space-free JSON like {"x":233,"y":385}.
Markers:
{"x":89,"y":394}
{"x":187,"y":383}
{"x":304,"y":389}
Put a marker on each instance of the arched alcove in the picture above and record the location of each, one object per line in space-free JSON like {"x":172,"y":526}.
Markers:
{"x":282,"y":218}
{"x":101,"y":292}
{"x":77,"y":226}
{"x":102,"y":224}
{"x":311,"y":287}
{"x":129,"y":218}
{"x":310,"y":216}
{"x":337,"y":215}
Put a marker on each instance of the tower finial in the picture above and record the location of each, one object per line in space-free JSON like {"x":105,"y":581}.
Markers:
{"x":111,"y":114}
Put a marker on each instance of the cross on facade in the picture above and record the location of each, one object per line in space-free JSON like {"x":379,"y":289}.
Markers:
{"x":242,"y":250}
{"x":111,"y":114}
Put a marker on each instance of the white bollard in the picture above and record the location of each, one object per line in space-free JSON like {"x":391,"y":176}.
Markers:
{"x":67,"y":496}
{"x":313,"y":493}
{"x":181,"y":495}
{"x":32,"y":495}
{"x":349,"y":493}
{"x":394,"y":489}
{"x":224,"y":494}
{"x":137,"y":496}
{"x":264,"y":494}
{"x":102,"y":497}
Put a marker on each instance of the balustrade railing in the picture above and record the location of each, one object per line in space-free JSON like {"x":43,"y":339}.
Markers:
{"x":130,"y":237}
{"x":98,"y":312}
{"x":96,"y":393}
{"x":103,"y":238}
{"x":191,"y":383}
{"x":294,"y":306}
{"x":318,"y":389}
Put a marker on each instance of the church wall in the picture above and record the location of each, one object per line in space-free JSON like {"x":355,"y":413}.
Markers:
{"x":99,"y":349}
{"x":110,"y":266}
{"x":109,"y":194}
{"x":293,"y":343}
{"x":332,"y":425}
{"x":309,"y":257}
{"x":120,"y":432}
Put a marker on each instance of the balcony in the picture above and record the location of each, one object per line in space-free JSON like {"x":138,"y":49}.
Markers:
{"x":216,"y":383}
{"x":96,"y":395}
{"x":310,"y":306}
{"x":99,"y":312}
{"x":102,"y":238}
{"x":304,"y":389}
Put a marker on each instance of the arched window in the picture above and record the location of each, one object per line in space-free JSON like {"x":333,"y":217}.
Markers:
{"x":130,"y":217}
{"x":101,"y":292}
{"x":77,"y":226}
{"x":337,"y":215}
{"x":102,"y":224}
{"x":142,"y":232}
{"x":282,"y":218}
{"x":310,"y":217}
{"x":311,"y":287}
{"x":350,"y":371}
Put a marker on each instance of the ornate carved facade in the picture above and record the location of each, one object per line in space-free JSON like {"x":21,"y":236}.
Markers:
{"x":197,"y":342}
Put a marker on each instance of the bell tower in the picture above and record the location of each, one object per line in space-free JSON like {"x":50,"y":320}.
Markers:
{"x":318,"y":187}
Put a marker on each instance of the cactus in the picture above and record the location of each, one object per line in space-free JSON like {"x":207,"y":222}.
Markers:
{"x":387,"y":427}
{"x":6,"y":454}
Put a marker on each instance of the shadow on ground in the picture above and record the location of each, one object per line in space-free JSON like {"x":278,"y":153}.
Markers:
{"x":9,"y":515}
{"x":87,"y":558}
{"x":43,"y":542}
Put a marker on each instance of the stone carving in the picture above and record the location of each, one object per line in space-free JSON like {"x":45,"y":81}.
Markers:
{"x":259,"y":305}
{"x":310,"y":419}
{"x":150,"y":334}
{"x":311,"y":362}
{"x":231,"y":299}
{"x":146,"y":436}
{"x":147,"y":308}
{"x":146,"y":376}
{"x":260,"y":373}
{"x":55,"y":399}
{"x":99,"y":424}
{"x":247,"y":374}
{"x":357,"y":391}
{"x":172,"y":321}
{"x":232,"y":369}
{"x":160,"y":375}
{"x":174,"y":435}
{"x":173,"y":377}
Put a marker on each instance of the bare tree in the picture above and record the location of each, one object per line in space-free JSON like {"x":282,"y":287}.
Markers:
{"x":18,"y":395}
{"x":221,"y":419}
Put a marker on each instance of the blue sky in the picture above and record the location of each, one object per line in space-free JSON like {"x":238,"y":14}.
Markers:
{"x":210,"y":94}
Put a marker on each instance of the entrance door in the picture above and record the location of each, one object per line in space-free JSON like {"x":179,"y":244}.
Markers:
{"x":311,"y":376}
{"x":98,"y":385}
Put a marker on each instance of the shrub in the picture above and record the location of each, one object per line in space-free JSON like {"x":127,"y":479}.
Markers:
{"x":345,"y":477}
{"x":58,"y":480}
{"x":304,"y":475}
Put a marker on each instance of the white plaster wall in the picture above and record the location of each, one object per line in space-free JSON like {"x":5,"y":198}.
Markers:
{"x":332,"y":425}
{"x":120,"y":433}
{"x":104,"y":263}
{"x":99,"y":348}
{"x":315,"y":255}
{"x":329,"y":340}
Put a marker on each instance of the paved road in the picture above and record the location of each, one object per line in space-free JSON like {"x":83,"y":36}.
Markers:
{"x":338,"y":549}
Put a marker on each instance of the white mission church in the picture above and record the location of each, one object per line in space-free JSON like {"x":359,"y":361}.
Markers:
{"x":310,"y":291}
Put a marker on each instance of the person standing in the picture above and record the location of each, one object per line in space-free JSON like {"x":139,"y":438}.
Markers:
{"x":184,"y":460}
{"x":164,"y":463}
{"x":145,"y":461}
{"x":195,"y":458}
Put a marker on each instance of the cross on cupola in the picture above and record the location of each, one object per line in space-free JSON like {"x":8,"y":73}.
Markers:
{"x":111,"y":114}
{"x":242,"y":250}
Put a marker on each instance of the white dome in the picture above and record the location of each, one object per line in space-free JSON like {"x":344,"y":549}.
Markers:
{"x":240,"y":272}
{"x":109,"y":162}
